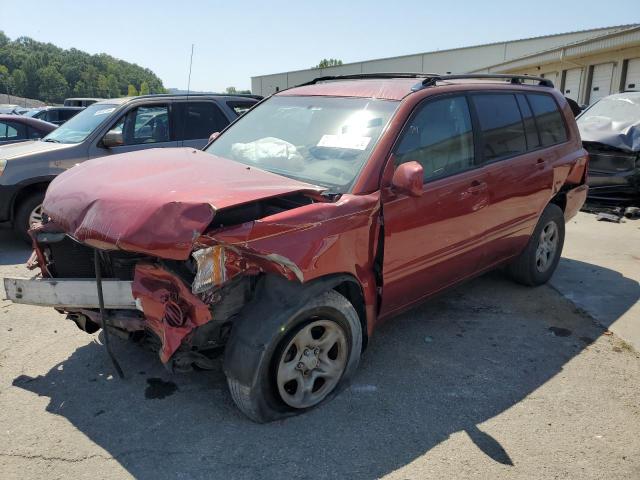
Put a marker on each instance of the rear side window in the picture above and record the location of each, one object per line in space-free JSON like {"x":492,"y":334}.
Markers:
{"x":439,"y":137}
{"x":549,"y":119}
{"x":530,"y":130}
{"x":203,"y":118}
{"x":12,"y":131}
{"x":501,"y":127}
{"x":65,"y":115}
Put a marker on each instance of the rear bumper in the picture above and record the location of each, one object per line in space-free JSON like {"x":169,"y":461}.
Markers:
{"x":575,"y":200}
{"x":69,"y":294}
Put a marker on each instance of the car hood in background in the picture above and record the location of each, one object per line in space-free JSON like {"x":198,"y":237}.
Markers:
{"x":156,"y":201}
{"x":31,"y":147}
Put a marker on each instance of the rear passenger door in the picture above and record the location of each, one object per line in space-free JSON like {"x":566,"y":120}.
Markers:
{"x":436,"y":239}
{"x":514,"y":140}
{"x":197,"y":120}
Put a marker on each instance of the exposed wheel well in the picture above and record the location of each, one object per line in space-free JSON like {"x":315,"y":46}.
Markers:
{"x":25,"y":192}
{"x":560,"y":199}
{"x":352,"y":292}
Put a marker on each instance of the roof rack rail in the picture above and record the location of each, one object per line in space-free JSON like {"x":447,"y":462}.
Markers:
{"x":364,"y":76}
{"x":514,"y":79}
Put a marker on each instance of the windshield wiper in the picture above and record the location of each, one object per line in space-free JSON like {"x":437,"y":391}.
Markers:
{"x":52,"y":140}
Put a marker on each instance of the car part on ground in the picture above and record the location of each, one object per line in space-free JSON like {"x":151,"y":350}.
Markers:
{"x":296,"y":233}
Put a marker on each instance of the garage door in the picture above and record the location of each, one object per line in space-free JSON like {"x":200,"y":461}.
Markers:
{"x":601,"y":81}
{"x":572,"y":83}
{"x":553,"y":76}
{"x":632,"y":81}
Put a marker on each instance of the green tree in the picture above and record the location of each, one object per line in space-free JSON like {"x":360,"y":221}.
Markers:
{"x":131,"y":91}
{"x":231,"y":90}
{"x":114,"y":89}
{"x":328,"y":62}
{"x":5,"y":80}
{"x":19,"y":82}
{"x":144,"y":88}
{"x":53,"y":86}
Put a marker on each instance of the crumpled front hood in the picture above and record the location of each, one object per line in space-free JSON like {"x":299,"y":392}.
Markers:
{"x":156,"y":201}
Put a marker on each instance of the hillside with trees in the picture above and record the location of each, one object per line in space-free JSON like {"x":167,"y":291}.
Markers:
{"x":43,"y":71}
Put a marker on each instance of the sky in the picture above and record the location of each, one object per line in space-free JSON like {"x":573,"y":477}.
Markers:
{"x":237,"y":40}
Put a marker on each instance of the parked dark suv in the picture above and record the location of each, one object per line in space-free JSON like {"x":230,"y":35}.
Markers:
{"x":104,"y":128}
{"x":322,"y":212}
{"x":56,"y":115}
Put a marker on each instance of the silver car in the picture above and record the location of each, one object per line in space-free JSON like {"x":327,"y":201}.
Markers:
{"x":105,"y":128}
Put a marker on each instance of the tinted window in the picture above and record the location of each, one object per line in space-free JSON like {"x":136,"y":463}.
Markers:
{"x":501,"y":126}
{"x":203,"y":118}
{"x":530,"y":130}
{"x":146,"y":124}
{"x":549,"y":119}
{"x":439,"y":137}
{"x":65,"y":115}
{"x":34,"y":134}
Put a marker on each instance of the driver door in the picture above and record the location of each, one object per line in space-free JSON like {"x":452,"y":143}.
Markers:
{"x":142,"y":127}
{"x":436,"y":239}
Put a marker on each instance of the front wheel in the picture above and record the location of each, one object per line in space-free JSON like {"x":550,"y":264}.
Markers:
{"x":309,"y":358}
{"x":535,"y":265}
{"x":28,"y":212}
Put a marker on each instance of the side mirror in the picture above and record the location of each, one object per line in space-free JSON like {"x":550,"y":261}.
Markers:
{"x":408,"y":179}
{"x":213,"y":136}
{"x":113,"y":138}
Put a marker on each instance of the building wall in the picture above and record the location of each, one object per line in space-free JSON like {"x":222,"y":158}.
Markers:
{"x":460,"y":60}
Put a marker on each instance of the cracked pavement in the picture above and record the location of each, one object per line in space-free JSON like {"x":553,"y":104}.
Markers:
{"x":491,"y":380}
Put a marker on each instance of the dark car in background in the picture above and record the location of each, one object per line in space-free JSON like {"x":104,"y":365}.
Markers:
{"x":18,"y":128}
{"x":108,"y":127}
{"x":55,"y":115}
{"x":80,"y":102}
{"x":610,"y":131}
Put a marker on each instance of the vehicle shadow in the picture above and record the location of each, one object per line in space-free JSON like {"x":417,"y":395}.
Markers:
{"x":604,"y":293}
{"x":444,"y":367}
{"x":13,"y":250}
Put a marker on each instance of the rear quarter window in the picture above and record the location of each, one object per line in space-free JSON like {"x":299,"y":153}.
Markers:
{"x":240,"y":107}
{"x":548,"y":118}
{"x":501,"y":126}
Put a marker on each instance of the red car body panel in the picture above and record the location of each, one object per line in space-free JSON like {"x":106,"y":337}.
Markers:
{"x":155,"y":201}
{"x":161,"y":203}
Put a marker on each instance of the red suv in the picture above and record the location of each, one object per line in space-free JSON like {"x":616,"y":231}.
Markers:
{"x":325,"y":210}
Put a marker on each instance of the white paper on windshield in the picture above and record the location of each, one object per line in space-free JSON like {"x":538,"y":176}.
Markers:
{"x":351,"y":142}
{"x":104,"y":111}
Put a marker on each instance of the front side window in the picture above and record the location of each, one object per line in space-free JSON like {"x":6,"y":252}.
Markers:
{"x":78,"y":128}
{"x":144,"y":124}
{"x":549,"y":119}
{"x":501,"y":126}
{"x":439,"y":137}
{"x":321,"y":140}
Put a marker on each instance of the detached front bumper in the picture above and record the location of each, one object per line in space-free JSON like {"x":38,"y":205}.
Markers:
{"x":69,"y":293}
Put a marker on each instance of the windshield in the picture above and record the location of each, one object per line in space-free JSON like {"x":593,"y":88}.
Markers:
{"x":623,"y":107}
{"x":320,"y":140}
{"x":80,"y":126}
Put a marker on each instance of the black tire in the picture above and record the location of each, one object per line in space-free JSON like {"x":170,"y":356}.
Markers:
{"x":23,"y":213}
{"x":524,"y":268}
{"x":259,"y":399}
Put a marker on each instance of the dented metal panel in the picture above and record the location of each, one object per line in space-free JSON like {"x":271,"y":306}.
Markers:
{"x":155,"y":201}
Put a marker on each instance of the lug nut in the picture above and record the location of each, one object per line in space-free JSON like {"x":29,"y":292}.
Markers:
{"x":306,"y":352}
{"x":300,"y":365}
{"x":316,"y":350}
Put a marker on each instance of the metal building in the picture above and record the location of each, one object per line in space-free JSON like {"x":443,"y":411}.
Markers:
{"x":585,"y":65}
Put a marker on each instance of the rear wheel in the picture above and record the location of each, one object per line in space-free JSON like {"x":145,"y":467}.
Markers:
{"x":536,"y":264}
{"x":313,"y":355}
{"x":28,"y":212}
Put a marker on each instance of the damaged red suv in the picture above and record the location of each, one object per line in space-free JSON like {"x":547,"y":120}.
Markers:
{"x":322,"y":212}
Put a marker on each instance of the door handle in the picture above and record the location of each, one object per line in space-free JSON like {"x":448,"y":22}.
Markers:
{"x":540,"y":163}
{"x":476,"y":187}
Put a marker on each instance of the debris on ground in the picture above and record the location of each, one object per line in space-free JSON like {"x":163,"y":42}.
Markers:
{"x":609,"y":217}
{"x":632,"y":212}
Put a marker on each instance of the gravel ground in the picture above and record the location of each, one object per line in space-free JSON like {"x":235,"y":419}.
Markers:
{"x":491,"y":380}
